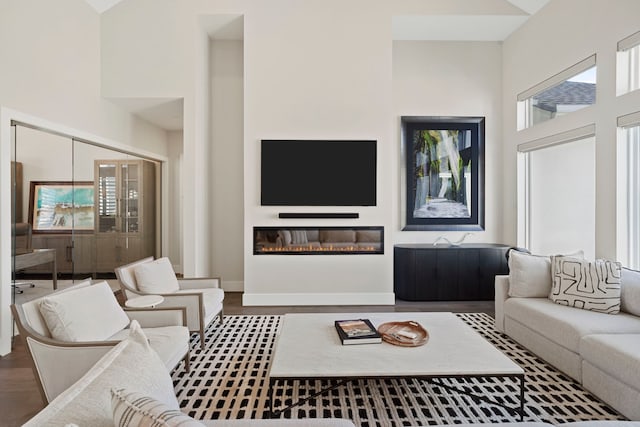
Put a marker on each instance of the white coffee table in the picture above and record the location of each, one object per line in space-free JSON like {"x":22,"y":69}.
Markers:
{"x":308,"y":347}
{"x":144,"y":301}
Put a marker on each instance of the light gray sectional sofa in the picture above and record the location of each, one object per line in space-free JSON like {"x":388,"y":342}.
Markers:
{"x":599,"y":350}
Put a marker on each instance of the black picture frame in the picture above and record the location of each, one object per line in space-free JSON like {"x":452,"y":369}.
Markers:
{"x":444,"y":162}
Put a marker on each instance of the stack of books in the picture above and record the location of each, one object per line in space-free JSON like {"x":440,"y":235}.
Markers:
{"x":357,"y":331}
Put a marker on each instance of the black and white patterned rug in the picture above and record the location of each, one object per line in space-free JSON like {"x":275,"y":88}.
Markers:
{"x":229,"y":380}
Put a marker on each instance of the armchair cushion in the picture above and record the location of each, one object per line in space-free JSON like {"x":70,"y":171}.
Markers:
{"x":156,"y":277}
{"x":90,"y":313}
{"x":170,"y":342}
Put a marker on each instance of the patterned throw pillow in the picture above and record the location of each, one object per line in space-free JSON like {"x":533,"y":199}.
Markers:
{"x":588,"y":285}
{"x":134,"y":409}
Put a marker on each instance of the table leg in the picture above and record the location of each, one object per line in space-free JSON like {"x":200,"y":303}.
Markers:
{"x":522,"y":398}
{"x":270,"y":398}
{"x":55,"y":274}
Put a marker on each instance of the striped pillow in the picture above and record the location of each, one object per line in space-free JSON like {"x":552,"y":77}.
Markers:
{"x":135,"y":409}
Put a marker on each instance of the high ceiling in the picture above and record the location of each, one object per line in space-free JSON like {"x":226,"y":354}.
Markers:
{"x":476,"y":26}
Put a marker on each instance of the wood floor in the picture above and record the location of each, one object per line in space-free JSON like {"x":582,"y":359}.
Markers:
{"x":20,"y":399}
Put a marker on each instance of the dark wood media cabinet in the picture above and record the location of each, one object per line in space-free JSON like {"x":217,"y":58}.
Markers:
{"x":424,"y":272}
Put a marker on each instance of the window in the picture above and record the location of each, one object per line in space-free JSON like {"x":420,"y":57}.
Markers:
{"x":558,"y":175}
{"x":629,"y":190}
{"x":628,"y":65}
{"x":567,"y":91}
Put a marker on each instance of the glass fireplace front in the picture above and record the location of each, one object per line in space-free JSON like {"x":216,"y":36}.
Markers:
{"x":318,"y":240}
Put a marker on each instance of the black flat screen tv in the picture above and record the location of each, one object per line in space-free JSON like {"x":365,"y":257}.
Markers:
{"x":318,"y":173}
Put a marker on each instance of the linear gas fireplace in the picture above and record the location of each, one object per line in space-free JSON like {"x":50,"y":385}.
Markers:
{"x":318,"y":240}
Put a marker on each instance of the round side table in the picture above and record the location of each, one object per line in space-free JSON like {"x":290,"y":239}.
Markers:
{"x":144,"y":301}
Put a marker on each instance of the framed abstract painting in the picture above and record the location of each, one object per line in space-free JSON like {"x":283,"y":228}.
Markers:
{"x":444,"y":162}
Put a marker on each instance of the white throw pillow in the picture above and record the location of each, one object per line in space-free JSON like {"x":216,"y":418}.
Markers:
{"x":132,"y":364}
{"x":529,"y":275}
{"x":630,"y":291}
{"x":156,"y":277}
{"x":588,"y":285}
{"x":135,"y":409}
{"x":91,"y":313}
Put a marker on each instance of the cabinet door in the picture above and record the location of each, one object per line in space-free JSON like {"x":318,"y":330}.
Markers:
{"x":106,"y":197}
{"x":447,"y":274}
{"x":129,"y":196}
{"x":115,"y":250}
{"x":62,"y":245}
{"x":426,"y":276}
{"x":129,"y":249}
{"x":64,"y":252}
{"x":469,"y":267}
{"x":84,"y":254}
{"x":404,"y":282}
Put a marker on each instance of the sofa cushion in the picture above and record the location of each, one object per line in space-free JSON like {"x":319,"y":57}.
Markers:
{"x":564,"y":325}
{"x":616,"y":354}
{"x":137,"y":409}
{"x":587,"y":285}
{"x":156,"y":277}
{"x":89,"y":313}
{"x":88,"y":401}
{"x":630,"y":291}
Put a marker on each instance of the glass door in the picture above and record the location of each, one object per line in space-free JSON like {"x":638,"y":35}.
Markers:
{"x":130,"y":181}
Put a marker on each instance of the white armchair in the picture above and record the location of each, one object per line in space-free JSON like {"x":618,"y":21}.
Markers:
{"x":202,"y":297}
{"x":67,"y":332}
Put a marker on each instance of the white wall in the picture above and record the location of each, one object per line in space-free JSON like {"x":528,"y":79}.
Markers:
{"x":304,"y":82}
{"x":227,"y":174}
{"x":51,"y":74}
{"x":450,"y":79}
{"x":175,"y":170}
{"x":560,"y":35}
{"x":318,"y":70}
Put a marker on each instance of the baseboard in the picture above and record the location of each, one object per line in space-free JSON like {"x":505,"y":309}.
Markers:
{"x":249,"y":299}
{"x":232,"y":285}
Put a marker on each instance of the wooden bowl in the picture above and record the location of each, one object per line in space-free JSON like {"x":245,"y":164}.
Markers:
{"x":392,"y":332}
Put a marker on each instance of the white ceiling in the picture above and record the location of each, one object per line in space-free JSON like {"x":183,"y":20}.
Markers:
{"x":167,"y":113}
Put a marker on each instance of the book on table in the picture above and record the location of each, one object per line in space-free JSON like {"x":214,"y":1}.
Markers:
{"x":357,"y":331}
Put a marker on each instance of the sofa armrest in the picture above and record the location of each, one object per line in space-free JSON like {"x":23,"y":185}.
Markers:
{"x":501,"y":295}
{"x":200,"y":283}
{"x":158,"y":317}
